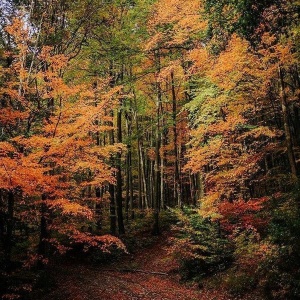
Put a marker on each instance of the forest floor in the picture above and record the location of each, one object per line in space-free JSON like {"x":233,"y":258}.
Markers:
{"x":150,"y":273}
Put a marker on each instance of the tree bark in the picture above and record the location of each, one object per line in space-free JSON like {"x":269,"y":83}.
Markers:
{"x":111,"y":190}
{"x":42,"y":249}
{"x":98,"y":208}
{"x":9,"y":228}
{"x":287,"y":130}
{"x":119,"y":198}
{"x":157,"y":174}
{"x":177,"y":158}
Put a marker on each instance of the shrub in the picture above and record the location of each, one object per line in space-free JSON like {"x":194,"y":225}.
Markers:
{"x":199,"y":246}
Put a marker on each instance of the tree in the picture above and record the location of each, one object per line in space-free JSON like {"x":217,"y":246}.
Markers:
{"x":49,"y":150}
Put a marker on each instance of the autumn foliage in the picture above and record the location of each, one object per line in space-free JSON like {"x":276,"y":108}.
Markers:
{"x":111,"y":111}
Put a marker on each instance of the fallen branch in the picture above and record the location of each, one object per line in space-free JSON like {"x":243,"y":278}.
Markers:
{"x":135,"y":271}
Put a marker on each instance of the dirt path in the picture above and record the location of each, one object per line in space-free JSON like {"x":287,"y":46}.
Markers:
{"x":79,"y":282}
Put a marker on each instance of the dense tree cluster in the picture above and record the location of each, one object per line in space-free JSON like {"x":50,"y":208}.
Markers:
{"x":110,"y":110}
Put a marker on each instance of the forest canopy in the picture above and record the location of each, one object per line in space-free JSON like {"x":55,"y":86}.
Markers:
{"x":114,"y":111}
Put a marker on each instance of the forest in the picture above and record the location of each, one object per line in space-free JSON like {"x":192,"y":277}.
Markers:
{"x":128,"y":127}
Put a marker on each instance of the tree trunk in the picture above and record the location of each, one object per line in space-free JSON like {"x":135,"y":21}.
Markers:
{"x":9,"y":228}
{"x":287,"y":130}
{"x":112,"y":210}
{"x":98,"y":208}
{"x":177,"y":158}
{"x":42,"y":249}
{"x":111,"y":190}
{"x":129,"y":187}
{"x":119,"y":199}
{"x":143,"y":173}
{"x":157,"y":175}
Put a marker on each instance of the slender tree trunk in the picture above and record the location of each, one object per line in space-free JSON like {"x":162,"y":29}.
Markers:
{"x":9,"y":228}
{"x":140,"y":200}
{"x":99,"y":190}
{"x":140,"y":169}
{"x":98,"y":208}
{"x":157,"y":196}
{"x":127,"y":184}
{"x":176,"y":153}
{"x":152,"y":164}
{"x":157,"y":174}
{"x":42,"y":249}
{"x":192,"y":188}
{"x":162,"y":160}
{"x":129,"y":187}
{"x":131,"y":211}
{"x":162,"y":184}
{"x":287,"y":130}
{"x":200,"y":186}
{"x":140,"y":175}
{"x":143,"y":173}
{"x":131,"y":194}
{"x":112,"y":210}
{"x":111,"y":190}
{"x":119,"y":198}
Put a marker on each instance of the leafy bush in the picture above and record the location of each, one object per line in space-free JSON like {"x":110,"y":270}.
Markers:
{"x":280,"y":271}
{"x":199,"y":246}
{"x":238,"y":283}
